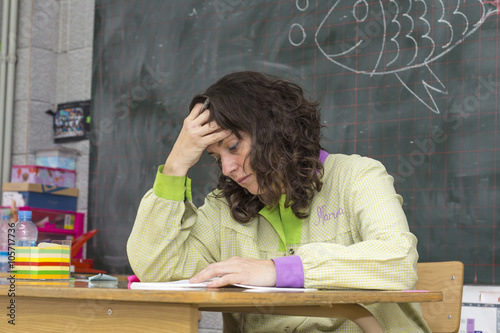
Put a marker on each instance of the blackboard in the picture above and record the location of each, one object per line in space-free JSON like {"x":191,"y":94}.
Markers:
{"x":413,"y":84}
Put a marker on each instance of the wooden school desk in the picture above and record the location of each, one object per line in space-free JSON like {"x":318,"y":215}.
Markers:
{"x":77,"y":308}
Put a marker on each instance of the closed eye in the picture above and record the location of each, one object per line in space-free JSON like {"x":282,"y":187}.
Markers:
{"x":234,"y":147}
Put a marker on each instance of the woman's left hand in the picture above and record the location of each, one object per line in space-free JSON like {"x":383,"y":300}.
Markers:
{"x":255,"y":272}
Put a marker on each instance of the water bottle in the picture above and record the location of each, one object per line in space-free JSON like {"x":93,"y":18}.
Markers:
{"x":25,"y":233}
{"x":4,"y":240}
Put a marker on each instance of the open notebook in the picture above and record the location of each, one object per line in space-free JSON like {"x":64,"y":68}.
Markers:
{"x":185,"y":285}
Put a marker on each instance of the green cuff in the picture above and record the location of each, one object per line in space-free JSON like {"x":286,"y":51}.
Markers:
{"x":172,"y":187}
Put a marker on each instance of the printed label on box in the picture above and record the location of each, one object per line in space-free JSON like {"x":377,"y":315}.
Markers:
{"x":42,"y":175}
{"x":491,"y":297}
{"x":9,"y":197}
{"x":68,"y":221}
{"x":479,"y":318}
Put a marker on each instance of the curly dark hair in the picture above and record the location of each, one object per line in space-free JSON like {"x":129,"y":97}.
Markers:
{"x":285,"y":132}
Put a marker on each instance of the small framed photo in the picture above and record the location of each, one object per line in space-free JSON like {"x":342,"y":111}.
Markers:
{"x":72,"y":121}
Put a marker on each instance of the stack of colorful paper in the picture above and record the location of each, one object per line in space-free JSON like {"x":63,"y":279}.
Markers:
{"x":45,"y":261}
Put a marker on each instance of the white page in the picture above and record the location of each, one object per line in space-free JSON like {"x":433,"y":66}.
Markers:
{"x":172,"y":285}
{"x":184,"y":284}
{"x":256,"y":289}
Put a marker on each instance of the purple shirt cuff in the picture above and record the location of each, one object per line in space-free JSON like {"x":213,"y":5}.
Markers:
{"x":289,"y":272}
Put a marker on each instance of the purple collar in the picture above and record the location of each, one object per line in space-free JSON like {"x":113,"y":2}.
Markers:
{"x":322,"y":156}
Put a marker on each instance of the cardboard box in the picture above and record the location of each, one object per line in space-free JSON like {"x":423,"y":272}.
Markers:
{"x":43,"y":175}
{"x":40,"y":196}
{"x":480,"y":310}
{"x":64,"y":158}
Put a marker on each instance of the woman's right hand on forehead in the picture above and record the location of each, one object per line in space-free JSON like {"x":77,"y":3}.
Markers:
{"x":195,"y":136}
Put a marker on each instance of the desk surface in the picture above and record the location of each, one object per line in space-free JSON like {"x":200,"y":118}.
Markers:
{"x":47,"y":307}
{"x":217,"y":296}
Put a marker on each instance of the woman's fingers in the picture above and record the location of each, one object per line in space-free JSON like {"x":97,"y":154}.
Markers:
{"x":224,"y":280}
{"x":216,"y":270}
{"x":214,"y":137}
{"x":195,"y":112}
{"x":196,"y":135}
{"x":238,"y":270}
{"x":198,"y":125}
{"x":211,"y":128}
{"x":197,"y":118}
{"x":208,"y":128}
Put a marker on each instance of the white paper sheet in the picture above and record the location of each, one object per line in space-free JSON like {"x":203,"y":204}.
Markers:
{"x":172,"y":285}
{"x":185,"y":285}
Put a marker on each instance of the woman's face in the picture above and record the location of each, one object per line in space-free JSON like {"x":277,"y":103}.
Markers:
{"x":232,"y":153}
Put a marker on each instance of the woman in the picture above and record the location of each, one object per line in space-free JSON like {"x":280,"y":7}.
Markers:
{"x":284,"y":213}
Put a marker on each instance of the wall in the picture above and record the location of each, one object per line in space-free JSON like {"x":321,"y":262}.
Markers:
{"x":55,"y":43}
{"x":434,"y":128}
{"x":54,"y":66}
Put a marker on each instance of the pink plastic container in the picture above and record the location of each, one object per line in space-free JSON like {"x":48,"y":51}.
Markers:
{"x":56,"y":224}
{"x":43,"y":175}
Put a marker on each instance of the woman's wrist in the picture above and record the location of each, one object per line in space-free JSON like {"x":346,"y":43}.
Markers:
{"x":173,"y":169}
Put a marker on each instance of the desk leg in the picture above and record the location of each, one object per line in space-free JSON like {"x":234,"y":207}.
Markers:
{"x":354,"y":312}
{"x":35,"y":314}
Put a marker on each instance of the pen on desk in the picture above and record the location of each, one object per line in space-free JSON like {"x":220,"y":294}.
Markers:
{"x":205,"y":105}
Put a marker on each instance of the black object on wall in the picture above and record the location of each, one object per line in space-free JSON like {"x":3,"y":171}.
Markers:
{"x":412,"y":84}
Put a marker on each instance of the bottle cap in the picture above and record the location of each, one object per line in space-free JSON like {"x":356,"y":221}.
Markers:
{"x":25,"y":214}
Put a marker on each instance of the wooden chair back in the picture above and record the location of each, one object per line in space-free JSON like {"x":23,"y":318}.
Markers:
{"x":448,"y":277}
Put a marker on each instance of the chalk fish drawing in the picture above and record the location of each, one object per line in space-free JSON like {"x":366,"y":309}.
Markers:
{"x":390,"y":37}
